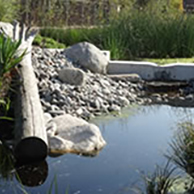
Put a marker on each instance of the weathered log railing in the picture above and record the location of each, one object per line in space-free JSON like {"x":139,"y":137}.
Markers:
{"x":30,"y":132}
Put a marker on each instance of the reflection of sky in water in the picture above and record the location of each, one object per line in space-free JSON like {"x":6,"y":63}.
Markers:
{"x":134,"y":143}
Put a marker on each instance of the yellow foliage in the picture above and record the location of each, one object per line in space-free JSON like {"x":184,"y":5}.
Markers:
{"x":177,"y":4}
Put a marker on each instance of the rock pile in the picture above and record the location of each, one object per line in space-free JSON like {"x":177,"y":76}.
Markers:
{"x":94,"y":95}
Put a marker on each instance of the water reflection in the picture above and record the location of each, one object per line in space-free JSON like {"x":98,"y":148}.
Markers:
{"x":6,"y":163}
{"x":32,"y":175}
{"x":181,"y":155}
{"x":134,"y":142}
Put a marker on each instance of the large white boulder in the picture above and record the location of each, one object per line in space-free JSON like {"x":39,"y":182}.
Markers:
{"x":74,"y":135}
{"x":88,"y":56}
{"x":73,"y":76}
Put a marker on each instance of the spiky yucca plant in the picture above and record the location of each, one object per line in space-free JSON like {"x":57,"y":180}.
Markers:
{"x":8,"y":60}
{"x":8,"y":54}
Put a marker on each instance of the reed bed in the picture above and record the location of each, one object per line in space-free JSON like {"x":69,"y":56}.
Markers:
{"x":136,"y":34}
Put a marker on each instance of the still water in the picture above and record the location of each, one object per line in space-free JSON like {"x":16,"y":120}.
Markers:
{"x":136,"y":141}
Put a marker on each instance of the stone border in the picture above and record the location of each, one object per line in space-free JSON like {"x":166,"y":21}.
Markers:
{"x":152,"y":71}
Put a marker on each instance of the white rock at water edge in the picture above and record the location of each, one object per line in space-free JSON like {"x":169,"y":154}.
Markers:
{"x":88,"y":56}
{"x":75,"y":135}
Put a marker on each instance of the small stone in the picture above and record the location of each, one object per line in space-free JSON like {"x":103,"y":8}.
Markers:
{"x":54,"y":108}
{"x":57,"y":112}
{"x":114,"y":108}
{"x":48,"y":98}
{"x":189,"y":97}
{"x":47,"y":117}
{"x":123,"y":101}
{"x":79,"y":111}
{"x":51,"y":128}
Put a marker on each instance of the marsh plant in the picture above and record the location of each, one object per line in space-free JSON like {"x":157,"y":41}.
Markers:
{"x":182,"y":148}
{"x":160,"y":181}
{"x":134,"y":33}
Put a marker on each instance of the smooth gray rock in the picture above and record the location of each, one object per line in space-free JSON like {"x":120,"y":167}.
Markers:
{"x":88,"y":56}
{"x":72,"y":76}
{"x":75,"y":135}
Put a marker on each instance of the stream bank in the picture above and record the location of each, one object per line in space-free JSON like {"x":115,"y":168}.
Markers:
{"x":99,"y":94}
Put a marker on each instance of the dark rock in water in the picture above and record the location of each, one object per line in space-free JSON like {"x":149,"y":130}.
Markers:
{"x":156,"y":86}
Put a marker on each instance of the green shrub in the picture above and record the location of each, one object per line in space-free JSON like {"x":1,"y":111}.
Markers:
{"x":47,"y":42}
{"x":72,"y":36}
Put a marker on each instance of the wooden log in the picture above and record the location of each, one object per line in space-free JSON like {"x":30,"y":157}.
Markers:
{"x":30,"y":131}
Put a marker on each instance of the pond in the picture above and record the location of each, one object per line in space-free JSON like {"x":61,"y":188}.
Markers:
{"x":136,"y":141}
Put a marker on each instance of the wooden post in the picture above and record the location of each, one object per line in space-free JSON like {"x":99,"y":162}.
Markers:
{"x":30,"y":131}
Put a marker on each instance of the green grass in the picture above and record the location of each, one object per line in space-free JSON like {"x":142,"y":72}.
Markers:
{"x":72,"y":36}
{"x":168,"y":61}
{"x":47,"y":42}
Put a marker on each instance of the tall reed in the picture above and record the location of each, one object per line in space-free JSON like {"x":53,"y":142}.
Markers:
{"x":148,"y":33}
